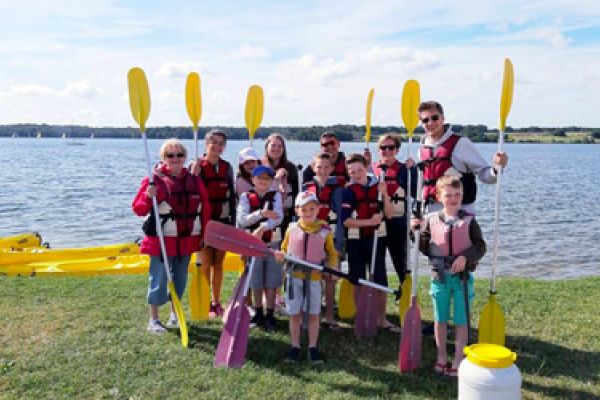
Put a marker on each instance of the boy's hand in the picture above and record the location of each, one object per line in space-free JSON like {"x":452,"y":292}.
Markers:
{"x":151,"y":191}
{"x":279,"y":256}
{"x":269,"y":214}
{"x":415,"y":223}
{"x":459,"y":264}
{"x":258,"y":232}
{"x":376,"y":219}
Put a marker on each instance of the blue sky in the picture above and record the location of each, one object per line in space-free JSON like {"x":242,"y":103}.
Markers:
{"x":65,"y":62}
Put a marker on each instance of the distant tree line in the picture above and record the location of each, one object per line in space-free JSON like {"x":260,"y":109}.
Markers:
{"x":477,"y":133}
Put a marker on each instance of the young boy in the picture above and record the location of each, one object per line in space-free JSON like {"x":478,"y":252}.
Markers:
{"x":325,"y":187}
{"x":452,"y":240}
{"x":260,"y":211}
{"x":309,"y":239}
{"x":361,"y":216}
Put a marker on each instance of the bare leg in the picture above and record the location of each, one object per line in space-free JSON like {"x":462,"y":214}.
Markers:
{"x":329,"y":299}
{"x":313,"y":329}
{"x":217,"y":278}
{"x":295,"y":321}
{"x":461,"y":342}
{"x":153,"y":312}
{"x":441,"y":330}
{"x":270,"y":296}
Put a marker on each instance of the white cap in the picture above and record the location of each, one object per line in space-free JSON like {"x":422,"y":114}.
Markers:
{"x":247,"y":154}
{"x":305,"y":197}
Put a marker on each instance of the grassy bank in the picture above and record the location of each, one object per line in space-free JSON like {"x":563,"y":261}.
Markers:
{"x":546,"y":138}
{"x":85,"y":338}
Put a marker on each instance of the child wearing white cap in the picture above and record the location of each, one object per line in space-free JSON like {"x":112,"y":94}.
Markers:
{"x":309,"y":239}
{"x":248,"y":159}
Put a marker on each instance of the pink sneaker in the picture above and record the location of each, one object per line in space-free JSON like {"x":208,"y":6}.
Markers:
{"x":218,"y":310}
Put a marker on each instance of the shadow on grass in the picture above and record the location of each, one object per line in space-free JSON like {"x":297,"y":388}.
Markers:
{"x":549,"y":360}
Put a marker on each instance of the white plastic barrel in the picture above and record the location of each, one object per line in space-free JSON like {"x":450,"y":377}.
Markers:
{"x":488,"y":372}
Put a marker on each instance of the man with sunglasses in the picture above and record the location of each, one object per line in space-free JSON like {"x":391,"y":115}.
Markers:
{"x":330,"y":144}
{"x":443,"y":152}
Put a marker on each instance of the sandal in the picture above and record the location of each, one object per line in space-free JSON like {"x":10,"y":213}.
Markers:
{"x":391,"y":327}
{"x":334,"y":326}
{"x":451,"y":372}
{"x":440,"y":369}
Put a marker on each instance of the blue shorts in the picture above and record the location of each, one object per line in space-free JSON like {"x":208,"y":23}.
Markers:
{"x":158,"y":293}
{"x":451,"y":290}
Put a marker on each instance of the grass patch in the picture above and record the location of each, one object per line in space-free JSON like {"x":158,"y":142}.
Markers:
{"x":86,"y":338}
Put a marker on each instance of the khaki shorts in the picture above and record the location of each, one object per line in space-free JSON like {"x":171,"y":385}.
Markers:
{"x":299,"y":301}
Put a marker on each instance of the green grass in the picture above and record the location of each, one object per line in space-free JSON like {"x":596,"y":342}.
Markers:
{"x":86,"y":338}
{"x":545,"y":138}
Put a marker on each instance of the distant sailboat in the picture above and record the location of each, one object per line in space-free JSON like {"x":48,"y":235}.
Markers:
{"x":64,"y":135}
{"x":15,"y":135}
{"x":39,"y":135}
{"x":92,"y":135}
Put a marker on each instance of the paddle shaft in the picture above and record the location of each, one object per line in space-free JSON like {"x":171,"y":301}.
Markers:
{"x":161,"y":238}
{"x":408,"y":201}
{"x":497,"y":219}
{"x":415,"y":270}
{"x":375,"y":234}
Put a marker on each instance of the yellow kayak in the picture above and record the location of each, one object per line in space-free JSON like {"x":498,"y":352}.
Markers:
{"x":98,"y":265}
{"x":32,"y":255}
{"x":25,"y":240}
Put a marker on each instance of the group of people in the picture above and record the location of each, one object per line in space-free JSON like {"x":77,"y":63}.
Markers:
{"x":342,"y":205}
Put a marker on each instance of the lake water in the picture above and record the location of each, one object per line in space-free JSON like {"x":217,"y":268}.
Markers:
{"x":80,"y":195}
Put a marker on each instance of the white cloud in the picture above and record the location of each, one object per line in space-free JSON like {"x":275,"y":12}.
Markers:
{"x":173,"y":70}
{"x":83,"y":89}
{"x":32,"y":89}
{"x":245,"y":51}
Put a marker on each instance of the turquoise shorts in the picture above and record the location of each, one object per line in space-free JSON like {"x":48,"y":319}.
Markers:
{"x":452,"y":290}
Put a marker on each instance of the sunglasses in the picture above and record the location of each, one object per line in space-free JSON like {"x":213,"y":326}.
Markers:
{"x":328,"y":144}
{"x":173,"y":155}
{"x":432,"y":118}
{"x":390,"y":148}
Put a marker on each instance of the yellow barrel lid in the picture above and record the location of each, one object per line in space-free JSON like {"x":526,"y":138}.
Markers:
{"x":490,"y":355}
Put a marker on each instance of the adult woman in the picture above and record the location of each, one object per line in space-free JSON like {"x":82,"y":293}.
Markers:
{"x":286,"y":176}
{"x":184,"y":209}
{"x":217,"y":175}
{"x":396,"y":179}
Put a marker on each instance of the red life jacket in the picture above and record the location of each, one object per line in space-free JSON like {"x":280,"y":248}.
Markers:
{"x":436,"y":165}
{"x":217,"y":185}
{"x":324,"y":196}
{"x":339,"y":170}
{"x":366,"y":206}
{"x":258,"y":203}
{"x":180,"y":211}
{"x":394,"y":190}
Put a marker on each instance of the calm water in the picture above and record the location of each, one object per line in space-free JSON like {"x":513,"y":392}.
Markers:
{"x":80,"y":195}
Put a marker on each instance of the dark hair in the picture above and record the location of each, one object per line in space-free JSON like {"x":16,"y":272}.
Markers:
{"x":283,"y":161}
{"x":215,"y":132}
{"x":329,"y":134}
{"x":242,"y":173}
{"x":393,"y":137}
{"x":431,"y":105}
{"x":356,"y":157}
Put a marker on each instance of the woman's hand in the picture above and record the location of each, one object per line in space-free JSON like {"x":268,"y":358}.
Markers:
{"x":151,"y":191}
{"x":195,"y":168}
{"x":281,"y":174}
{"x":415,"y":223}
{"x":501,"y":159}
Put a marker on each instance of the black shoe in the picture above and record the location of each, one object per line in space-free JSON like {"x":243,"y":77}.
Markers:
{"x":293,"y":355}
{"x":427,"y":330}
{"x":314,"y":357}
{"x":258,"y":319}
{"x":270,"y":323}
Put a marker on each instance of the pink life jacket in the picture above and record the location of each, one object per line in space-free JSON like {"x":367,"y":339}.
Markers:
{"x":307,"y":246}
{"x":437,"y":163}
{"x":449,"y":240}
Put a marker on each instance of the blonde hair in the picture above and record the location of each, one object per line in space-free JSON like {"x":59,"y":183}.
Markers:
{"x":169,"y":144}
{"x":444,"y":181}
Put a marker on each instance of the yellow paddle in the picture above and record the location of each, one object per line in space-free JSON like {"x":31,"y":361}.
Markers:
{"x":199,"y":287}
{"x":368,"y":116}
{"x":411,"y":99}
{"x":139,"y":101}
{"x":254,"y":110}
{"x":492,"y":324}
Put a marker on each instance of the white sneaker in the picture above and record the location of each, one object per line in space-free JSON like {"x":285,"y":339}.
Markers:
{"x":173,"y":322}
{"x":156,"y":327}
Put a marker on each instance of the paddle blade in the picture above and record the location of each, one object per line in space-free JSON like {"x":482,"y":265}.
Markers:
{"x":180,"y":314}
{"x":405,"y":297}
{"x":368,"y":115}
{"x":139,"y":96}
{"x":195,"y":294}
{"x":233,"y":343}
{"x":346,"y":306}
{"x":491,"y":327}
{"x":508,"y":82}
{"x":228,"y":238}
{"x":365,"y":322}
{"x":411,"y":98}
{"x":410,"y":341}
{"x":193,"y":99}
{"x":254,"y":109}
{"x":236,"y":296}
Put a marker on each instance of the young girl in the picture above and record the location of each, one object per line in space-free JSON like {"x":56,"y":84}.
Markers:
{"x":217,"y":175}
{"x":248,"y":160}
{"x":452,"y":240}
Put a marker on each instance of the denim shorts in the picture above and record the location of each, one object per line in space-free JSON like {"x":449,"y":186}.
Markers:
{"x":158,"y":293}
{"x":451,"y":291}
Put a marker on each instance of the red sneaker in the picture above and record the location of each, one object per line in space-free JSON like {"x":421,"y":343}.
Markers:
{"x":218,"y":310}
{"x":212,"y":312}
